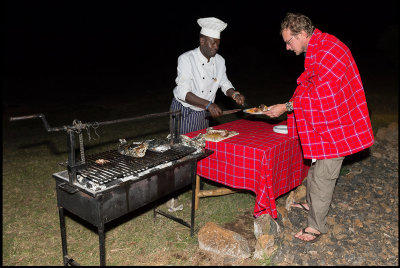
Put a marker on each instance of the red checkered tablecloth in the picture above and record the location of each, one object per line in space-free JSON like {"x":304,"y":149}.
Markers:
{"x":258,"y":159}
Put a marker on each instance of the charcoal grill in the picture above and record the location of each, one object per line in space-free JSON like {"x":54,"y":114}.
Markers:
{"x":100,"y":193}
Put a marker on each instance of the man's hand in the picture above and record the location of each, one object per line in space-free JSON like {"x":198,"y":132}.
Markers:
{"x":236,"y":96}
{"x":239,"y":98}
{"x":214,"y":110}
{"x":275,"y":110}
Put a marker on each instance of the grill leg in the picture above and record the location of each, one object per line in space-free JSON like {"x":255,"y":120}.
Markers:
{"x":193,"y":208}
{"x":63,"y":235}
{"x":194,"y":169}
{"x":102,"y":245}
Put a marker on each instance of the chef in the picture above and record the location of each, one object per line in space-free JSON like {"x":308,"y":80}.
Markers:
{"x":201,"y":72}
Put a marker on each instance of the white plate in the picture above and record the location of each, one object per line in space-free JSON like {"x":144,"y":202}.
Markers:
{"x":248,"y":111}
{"x":282,"y":129}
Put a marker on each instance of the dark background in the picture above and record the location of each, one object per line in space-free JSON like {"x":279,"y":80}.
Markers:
{"x":62,"y":51}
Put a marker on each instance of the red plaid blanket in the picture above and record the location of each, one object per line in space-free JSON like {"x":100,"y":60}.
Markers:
{"x":258,"y":159}
{"x":330,"y":109}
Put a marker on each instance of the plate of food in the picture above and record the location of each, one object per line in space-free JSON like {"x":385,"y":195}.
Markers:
{"x":217,"y":135}
{"x":257,"y":110}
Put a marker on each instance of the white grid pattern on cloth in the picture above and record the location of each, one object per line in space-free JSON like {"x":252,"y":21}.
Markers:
{"x":258,"y":159}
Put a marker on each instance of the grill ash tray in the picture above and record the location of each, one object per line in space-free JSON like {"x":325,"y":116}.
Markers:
{"x":118,"y":166}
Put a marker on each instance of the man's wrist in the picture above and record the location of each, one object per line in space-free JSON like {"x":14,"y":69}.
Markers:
{"x":289,"y":106}
{"x":235,"y":94}
{"x":208,"y":105}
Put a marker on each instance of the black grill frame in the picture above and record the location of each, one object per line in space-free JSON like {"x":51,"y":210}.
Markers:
{"x":120,"y":166}
{"x":99,"y":208}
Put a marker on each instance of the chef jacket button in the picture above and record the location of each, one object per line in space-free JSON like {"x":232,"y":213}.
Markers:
{"x":202,"y":91}
{"x":203,"y":77}
{"x":210,"y":90}
{"x":203,"y":64}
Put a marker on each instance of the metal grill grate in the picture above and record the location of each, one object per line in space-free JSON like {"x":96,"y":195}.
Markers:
{"x":121,"y":166}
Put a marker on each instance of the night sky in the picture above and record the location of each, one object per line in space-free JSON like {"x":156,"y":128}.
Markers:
{"x":53,"y":47}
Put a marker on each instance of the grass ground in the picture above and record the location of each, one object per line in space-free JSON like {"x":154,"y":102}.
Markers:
{"x":31,"y":233}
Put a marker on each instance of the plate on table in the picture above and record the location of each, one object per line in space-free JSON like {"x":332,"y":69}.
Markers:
{"x":282,"y":129}
{"x":217,"y":135}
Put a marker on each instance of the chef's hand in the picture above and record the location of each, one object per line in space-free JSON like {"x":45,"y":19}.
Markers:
{"x":275,"y":110}
{"x":214,"y":110}
{"x":239,"y":98}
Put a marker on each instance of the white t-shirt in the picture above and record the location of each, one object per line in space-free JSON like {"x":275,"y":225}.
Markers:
{"x":200,"y":77}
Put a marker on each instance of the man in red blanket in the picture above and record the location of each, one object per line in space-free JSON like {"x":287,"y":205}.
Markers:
{"x":327,"y":112}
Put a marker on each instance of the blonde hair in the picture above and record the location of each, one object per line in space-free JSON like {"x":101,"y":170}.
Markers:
{"x":296,"y":23}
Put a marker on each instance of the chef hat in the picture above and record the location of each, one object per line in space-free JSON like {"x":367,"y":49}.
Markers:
{"x":211,"y":27}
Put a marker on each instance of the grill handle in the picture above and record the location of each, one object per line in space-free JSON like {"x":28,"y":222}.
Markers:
{"x":41,"y":116}
{"x":49,"y":129}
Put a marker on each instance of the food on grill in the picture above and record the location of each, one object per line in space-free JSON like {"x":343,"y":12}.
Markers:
{"x":257,"y":110}
{"x":102,"y":161}
{"x":158,"y":145}
{"x":136,"y":149}
{"x":140,"y":150}
{"x":197,"y":142}
{"x":161,"y":148}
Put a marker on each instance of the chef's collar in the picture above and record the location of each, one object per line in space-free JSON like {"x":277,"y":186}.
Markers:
{"x":204,"y":58}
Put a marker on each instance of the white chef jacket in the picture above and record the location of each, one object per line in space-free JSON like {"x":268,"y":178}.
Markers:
{"x":200,"y":77}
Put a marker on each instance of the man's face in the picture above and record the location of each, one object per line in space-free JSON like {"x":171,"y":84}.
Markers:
{"x":209,"y":46}
{"x":295,"y":43}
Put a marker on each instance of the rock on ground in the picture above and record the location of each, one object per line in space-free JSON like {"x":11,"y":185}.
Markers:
{"x":265,"y":247}
{"x":222,"y":241}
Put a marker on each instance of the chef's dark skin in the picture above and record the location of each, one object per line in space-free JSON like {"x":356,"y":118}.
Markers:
{"x":209,"y":47}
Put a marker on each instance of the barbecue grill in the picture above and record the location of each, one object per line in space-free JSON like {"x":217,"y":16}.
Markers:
{"x":100,"y":192}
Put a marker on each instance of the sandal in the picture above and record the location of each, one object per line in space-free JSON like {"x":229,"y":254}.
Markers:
{"x":301,"y":206}
{"x":317,"y":236}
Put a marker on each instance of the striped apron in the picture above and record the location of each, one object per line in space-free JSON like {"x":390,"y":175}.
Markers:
{"x":191,"y":120}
